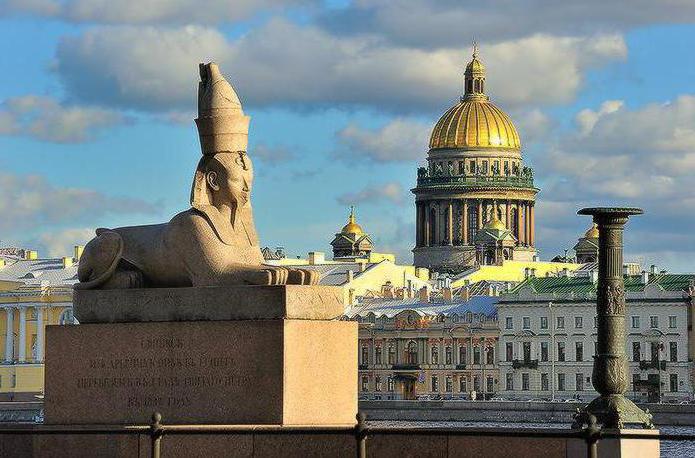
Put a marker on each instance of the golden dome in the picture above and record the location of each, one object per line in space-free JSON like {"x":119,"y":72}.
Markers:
{"x":352,"y":227}
{"x":592,"y":233}
{"x":474,"y":122}
{"x":495,"y":223}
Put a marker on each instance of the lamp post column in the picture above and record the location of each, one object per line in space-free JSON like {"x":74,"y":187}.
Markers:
{"x":610,"y":375}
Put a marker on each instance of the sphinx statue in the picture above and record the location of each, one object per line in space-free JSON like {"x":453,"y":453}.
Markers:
{"x":213,"y":243}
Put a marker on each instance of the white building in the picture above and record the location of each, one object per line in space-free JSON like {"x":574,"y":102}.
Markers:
{"x":548,"y":336}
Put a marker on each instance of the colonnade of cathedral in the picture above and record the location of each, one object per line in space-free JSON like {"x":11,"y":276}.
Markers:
{"x":457,"y":221}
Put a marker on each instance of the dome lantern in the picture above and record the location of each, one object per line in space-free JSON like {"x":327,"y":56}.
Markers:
{"x":474,"y":122}
{"x":474,"y":78}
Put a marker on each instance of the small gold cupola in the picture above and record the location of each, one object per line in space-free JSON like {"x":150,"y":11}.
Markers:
{"x":474,"y":78}
{"x":352,"y":227}
{"x":352,"y":242}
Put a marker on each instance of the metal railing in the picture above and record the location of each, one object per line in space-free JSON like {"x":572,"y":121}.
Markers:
{"x":156,"y":431}
{"x":476,"y":180}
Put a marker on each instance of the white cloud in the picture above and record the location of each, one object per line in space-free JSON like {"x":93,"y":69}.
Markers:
{"x":44,"y":118}
{"x":272,"y":154}
{"x":150,"y":11}
{"x":60,"y":242}
{"x":398,"y":140}
{"x":432,"y":24}
{"x":160,"y":73}
{"x":29,"y":201}
{"x":387,"y":192}
{"x":287,"y":65}
{"x":642,"y":157}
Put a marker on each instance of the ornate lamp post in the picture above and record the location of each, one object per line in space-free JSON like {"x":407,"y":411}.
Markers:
{"x":610,"y":375}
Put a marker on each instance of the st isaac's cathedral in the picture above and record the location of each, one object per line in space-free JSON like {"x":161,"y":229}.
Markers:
{"x":475,"y":199}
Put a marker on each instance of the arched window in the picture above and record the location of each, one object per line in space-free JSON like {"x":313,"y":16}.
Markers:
{"x":411,"y":353}
{"x":448,"y":356}
{"x":434,"y":354}
{"x":392,"y":355}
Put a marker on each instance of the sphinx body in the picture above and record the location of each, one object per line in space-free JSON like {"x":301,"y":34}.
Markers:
{"x":213,"y":243}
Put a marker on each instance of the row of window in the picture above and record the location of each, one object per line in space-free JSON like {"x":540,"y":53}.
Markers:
{"x":579,"y":322}
{"x":655,"y":351}
{"x":473,"y":167}
{"x":561,"y":356}
{"x":579,"y":382}
{"x":545,"y":382}
{"x":412,"y":355}
{"x":434,"y":384}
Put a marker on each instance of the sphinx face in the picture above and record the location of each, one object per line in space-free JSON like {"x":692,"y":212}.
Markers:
{"x":239,"y":178}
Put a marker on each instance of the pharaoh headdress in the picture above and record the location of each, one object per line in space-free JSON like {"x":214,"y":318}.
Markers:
{"x":223,"y":129}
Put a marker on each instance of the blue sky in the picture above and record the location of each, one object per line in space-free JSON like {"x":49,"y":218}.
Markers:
{"x":97,"y":101}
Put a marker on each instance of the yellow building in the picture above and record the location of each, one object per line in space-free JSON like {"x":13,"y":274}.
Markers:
{"x":33,"y":293}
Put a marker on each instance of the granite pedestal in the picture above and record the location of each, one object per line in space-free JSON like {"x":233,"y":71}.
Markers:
{"x":216,"y":355}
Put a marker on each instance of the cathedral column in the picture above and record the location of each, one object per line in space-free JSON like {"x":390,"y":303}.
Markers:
{"x":508,"y":220}
{"x":519,"y":219}
{"x":479,"y":221}
{"x":426,"y":232}
{"x":527,"y":234}
{"x":495,"y":207}
{"x":417,"y":224}
{"x":528,"y":224}
{"x":464,"y":223}
{"x":450,"y":223}
{"x":533,"y":224}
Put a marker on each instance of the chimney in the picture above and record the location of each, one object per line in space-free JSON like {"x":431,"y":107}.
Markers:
{"x":653,"y":269}
{"x":78,"y":252}
{"x":447,"y":294}
{"x":2,"y":263}
{"x":526,"y":272}
{"x":424,"y":294}
{"x":387,"y":290}
{"x":350,"y":276}
{"x":626,"y":269}
{"x":316,"y":257}
{"x":465,"y":293}
{"x":593,"y":275}
{"x":32,"y":255}
{"x":67,"y":262}
{"x":565,"y":272}
{"x":645,"y":277}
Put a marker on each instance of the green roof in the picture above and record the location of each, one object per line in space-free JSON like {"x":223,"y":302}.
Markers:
{"x":583,"y":285}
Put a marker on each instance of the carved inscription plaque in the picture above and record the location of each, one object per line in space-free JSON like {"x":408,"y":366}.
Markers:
{"x":194,"y":372}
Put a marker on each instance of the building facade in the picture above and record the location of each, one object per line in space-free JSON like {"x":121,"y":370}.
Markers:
{"x":420,"y":349}
{"x":548,"y":335}
{"x":475,"y":174}
{"x":41,"y":295}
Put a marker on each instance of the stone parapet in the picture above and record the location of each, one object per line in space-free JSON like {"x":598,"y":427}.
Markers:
{"x":211,"y":303}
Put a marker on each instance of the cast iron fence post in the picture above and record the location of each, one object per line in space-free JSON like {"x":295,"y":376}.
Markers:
{"x":155,"y":435}
{"x":361,"y":435}
{"x":610,"y":375}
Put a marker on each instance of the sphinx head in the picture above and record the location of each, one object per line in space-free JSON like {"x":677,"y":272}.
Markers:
{"x":223,"y":179}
